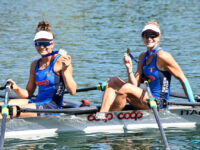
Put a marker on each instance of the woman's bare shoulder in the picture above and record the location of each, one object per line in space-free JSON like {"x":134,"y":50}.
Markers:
{"x":141,"y":56}
{"x":163,"y":55}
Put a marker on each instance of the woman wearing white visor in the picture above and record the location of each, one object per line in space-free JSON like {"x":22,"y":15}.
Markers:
{"x":156,"y":65}
{"x":51,"y":73}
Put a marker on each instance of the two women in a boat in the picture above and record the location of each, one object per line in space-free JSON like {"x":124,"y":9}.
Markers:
{"x":51,"y":74}
{"x":156,"y":65}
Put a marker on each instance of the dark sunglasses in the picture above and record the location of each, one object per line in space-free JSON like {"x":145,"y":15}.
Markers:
{"x":150,"y":35}
{"x":42,"y":43}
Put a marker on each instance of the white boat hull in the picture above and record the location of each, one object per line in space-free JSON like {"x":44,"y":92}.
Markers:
{"x":183,"y":117}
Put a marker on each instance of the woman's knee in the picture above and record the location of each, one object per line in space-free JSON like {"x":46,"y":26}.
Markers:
{"x":127,"y":88}
{"x":115,"y":82}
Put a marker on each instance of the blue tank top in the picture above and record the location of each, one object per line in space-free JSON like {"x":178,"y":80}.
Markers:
{"x":51,"y":86}
{"x":159,"y":81}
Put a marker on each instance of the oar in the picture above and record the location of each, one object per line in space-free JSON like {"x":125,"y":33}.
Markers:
{"x":100,"y":86}
{"x":10,"y":96}
{"x":182,"y":95}
{"x":80,"y":110}
{"x":153,"y":106}
{"x":184,"y":103}
{"x":2,"y":87}
{"x":5,"y":113}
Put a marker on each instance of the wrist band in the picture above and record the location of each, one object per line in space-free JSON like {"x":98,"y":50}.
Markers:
{"x":14,"y":86}
{"x":189,"y":91}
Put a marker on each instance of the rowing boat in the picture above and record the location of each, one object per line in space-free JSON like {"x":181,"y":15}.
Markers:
{"x":88,"y":119}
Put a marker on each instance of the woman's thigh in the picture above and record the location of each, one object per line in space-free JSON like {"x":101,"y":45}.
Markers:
{"x":29,"y":114}
{"x":115,"y":83}
{"x":18,"y":102}
{"x":136,"y":96}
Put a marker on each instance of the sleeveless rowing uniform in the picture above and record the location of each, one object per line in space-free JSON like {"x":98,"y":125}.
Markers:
{"x":51,"y":87}
{"x":159,"y":81}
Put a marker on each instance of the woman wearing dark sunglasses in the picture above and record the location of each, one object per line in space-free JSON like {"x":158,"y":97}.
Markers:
{"x":51,"y":74}
{"x":156,"y":65}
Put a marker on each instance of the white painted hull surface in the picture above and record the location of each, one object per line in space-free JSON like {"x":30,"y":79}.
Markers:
{"x":182,"y":117}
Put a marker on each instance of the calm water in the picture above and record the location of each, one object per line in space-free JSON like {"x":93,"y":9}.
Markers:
{"x":96,"y":33}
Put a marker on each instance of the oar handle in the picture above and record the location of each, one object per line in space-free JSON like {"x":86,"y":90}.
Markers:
{"x":8,"y":84}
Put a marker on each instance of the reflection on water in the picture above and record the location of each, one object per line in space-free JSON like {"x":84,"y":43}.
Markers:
{"x":127,"y":140}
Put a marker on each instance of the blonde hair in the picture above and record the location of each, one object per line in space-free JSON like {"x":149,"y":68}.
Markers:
{"x":153,"y":23}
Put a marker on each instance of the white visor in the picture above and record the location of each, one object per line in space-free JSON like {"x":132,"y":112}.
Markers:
{"x":43,"y":35}
{"x":151,"y":27}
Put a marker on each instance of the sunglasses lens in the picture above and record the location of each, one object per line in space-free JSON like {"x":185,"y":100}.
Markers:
{"x":45,"y":44}
{"x":150,"y":35}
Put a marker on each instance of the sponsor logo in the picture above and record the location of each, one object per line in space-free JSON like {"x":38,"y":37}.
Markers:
{"x":190,"y":112}
{"x":40,"y":83}
{"x":120,"y":116}
{"x":152,"y":78}
{"x":165,"y":85}
{"x":108,"y":116}
{"x":60,"y":90}
{"x":130,"y":115}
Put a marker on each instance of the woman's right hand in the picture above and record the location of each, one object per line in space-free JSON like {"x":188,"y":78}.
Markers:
{"x":128,"y":63}
{"x":13,"y":84}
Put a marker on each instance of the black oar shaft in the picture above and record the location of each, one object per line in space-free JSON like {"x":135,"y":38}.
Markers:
{"x":84,"y":89}
{"x":2,"y":88}
{"x":79,"y":110}
{"x":4,"y":115}
{"x":77,"y":90}
{"x":184,"y":103}
{"x":153,"y":106}
{"x":160,"y":128}
{"x":182,"y":95}
{"x":3,"y":130}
